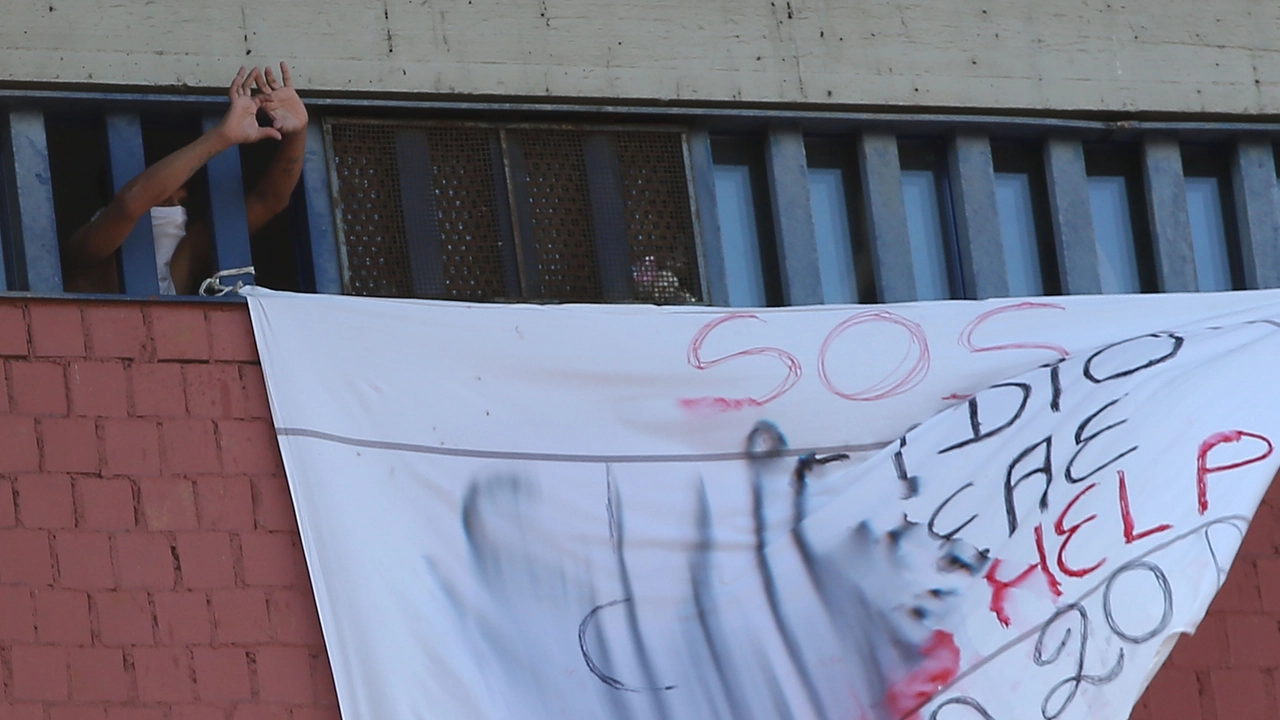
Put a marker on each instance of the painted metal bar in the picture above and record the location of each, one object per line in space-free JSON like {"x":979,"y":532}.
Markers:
{"x":604,"y":186}
{"x":715,"y":276}
{"x":1166,"y":192}
{"x":10,"y":244}
{"x":138,"y":253}
{"x":418,"y":206}
{"x":506,"y":227}
{"x":793,"y":216}
{"x":518,"y":194}
{"x":1074,"y":238}
{"x":226,"y":205}
{"x":36,"y":229}
{"x":1253,"y":180}
{"x":322,"y":237}
{"x":886,"y":217}
{"x":973,"y":196}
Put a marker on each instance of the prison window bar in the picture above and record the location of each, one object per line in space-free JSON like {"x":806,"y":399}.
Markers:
{"x":138,"y":254}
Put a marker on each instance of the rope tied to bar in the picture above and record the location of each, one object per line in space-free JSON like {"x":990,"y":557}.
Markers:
{"x":213,"y":287}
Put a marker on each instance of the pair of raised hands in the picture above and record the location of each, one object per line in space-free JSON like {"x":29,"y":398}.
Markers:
{"x":255,"y":89}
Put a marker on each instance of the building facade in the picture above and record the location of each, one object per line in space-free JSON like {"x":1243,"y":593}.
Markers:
{"x":736,"y":154}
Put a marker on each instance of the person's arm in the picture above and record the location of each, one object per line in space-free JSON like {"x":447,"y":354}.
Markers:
{"x":288,"y":115}
{"x":98,"y":239}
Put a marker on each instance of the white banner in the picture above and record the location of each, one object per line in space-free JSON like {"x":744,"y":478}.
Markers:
{"x":946,"y":511}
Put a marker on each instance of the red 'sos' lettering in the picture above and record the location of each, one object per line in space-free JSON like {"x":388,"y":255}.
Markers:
{"x":1204,"y":469}
{"x":1126,"y":517}
{"x":1069,"y":532}
{"x":966,"y":335}
{"x":909,"y":373}
{"x":723,"y":404}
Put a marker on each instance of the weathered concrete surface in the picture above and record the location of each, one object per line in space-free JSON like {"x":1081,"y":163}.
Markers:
{"x":1142,"y":55}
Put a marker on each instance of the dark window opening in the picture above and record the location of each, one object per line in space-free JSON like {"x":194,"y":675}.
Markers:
{"x":746,"y":221}
{"x":1022,"y":198}
{"x":926,"y":193}
{"x":840,"y":223}
{"x":1210,"y":202}
{"x":1126,"y":258}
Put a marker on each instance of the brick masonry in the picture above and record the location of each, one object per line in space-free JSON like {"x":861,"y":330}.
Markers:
{"x":150,"y":563}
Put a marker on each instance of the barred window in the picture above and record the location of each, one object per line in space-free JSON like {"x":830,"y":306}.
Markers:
{"x":486,"y":212}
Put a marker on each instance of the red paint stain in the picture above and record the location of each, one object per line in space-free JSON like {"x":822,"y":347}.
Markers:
{"x":939,"y":667}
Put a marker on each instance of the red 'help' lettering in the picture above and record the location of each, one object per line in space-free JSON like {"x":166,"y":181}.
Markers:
{"x":1204,"y":469}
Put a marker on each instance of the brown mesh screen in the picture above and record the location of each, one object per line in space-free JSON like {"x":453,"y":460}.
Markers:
{"x":473,"y":247}
{"x":467,"y":206}
{"x":655,"y":194}
{"x":377,"y":254}
{"x":563,"y":240}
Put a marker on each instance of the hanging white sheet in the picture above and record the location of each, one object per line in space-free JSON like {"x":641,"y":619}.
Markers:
{"x":953,"y":510}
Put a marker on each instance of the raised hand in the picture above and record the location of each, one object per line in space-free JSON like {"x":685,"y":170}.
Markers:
{"x":281,"y":101}
{"x":240,"y":124}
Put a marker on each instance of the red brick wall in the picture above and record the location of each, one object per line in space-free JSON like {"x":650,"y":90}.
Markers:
{"x":150,"y":566}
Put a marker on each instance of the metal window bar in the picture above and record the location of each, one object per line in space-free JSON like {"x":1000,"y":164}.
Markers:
{"x":127,"y":161}
{"x":226,"y":206}
{"x":793,"y":222}
{"x":715,"y":265}
{"x":1257,"y":209}
{"x":322,"y":246}
{"x":1166,"y":195}
{"x":33,"y":228}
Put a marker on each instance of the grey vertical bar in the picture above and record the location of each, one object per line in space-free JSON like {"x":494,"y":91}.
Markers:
{"x":138,"y":253}
{"x":418,"y":204}
{"x":714,"y":273}
{"x":793,"y":217}
{"x":973,"y":196}
{"x":604,"y":186}
{"x":1166,"y":192}
{"x":1073,"y":235}
{"x":323,"y":238}
{"x":35,"y":225}
{"x":1257,"y":199}
{"x":526,"y":240}
{"x":10,"y":230}
{"x":226,"y":206}
{"x":886,"y":217}
{"x":506,"y":228}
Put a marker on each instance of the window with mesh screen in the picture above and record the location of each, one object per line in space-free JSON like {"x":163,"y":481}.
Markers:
{"x":487,"y":212}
